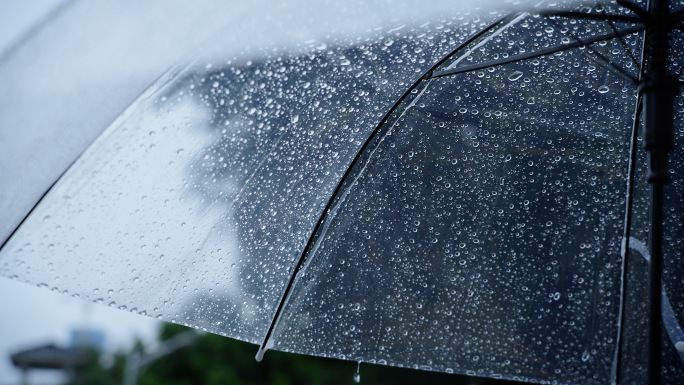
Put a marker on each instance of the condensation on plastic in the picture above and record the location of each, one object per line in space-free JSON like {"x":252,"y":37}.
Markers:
{"x":482,"y":233}
{"x":195,"y":205}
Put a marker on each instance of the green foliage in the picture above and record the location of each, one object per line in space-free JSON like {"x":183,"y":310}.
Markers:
{"x":217,"y":360}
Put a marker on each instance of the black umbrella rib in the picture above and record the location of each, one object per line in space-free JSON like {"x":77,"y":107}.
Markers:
{"x":537,"y":53}
{"x":592,"y":16}
{"x":17,"y":227}
{"x":628,"y":51}
{"x":641,"y":12}
{"x":601,"y":59}
{"x":310,"y":243}
{"x":627,"y":232}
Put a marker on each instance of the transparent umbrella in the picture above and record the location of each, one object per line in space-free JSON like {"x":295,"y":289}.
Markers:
{"x":461,"y":192}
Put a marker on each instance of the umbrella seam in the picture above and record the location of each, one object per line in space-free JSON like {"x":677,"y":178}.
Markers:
{"x":604,"y":61}
{"x":531,"y":55}
{"x":617,"y":362}
{"x":266,"y":344}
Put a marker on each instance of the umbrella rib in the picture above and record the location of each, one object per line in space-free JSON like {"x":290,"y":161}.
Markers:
{"x":266,"y":344}
{"x":538,"y":53}
{"x":601,"y":59}
{"x":627,"y":230}
{"x":591,"y":16}
{"x":678,"y":13}
{"x":17,"y":227}
{"x":634,"y":8}
{"x":624,"y":45}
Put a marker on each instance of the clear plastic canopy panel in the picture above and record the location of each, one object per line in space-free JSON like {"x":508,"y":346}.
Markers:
{"x":480,"y":231}
{"x":196,"y":203}
{"x":88,"y":60}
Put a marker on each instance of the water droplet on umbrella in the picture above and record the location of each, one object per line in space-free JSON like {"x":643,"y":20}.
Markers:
{"x":603,"y":89}
{"x":357,"y":375}
{"x":515,"y":76}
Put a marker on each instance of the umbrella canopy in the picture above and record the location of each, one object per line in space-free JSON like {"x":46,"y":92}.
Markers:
{"x":461,"y":194}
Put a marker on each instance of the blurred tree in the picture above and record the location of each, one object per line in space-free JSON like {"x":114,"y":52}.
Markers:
{"x":217,"y":360}
{"x":96,"y":372}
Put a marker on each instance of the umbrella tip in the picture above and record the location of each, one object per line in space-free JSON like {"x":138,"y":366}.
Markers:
{"x":262,"y":350}
{"x":260,"y":354}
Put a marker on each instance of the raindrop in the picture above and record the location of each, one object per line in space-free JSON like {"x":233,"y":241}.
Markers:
{"x":530,"y":100}
{"x":603,"y":89}
{"x":515,"y":76}
{"x":295,"y":118}
{"x":357,"y":375}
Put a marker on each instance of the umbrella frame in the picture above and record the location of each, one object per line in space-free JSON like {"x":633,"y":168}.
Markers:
{"x":657,"y":90}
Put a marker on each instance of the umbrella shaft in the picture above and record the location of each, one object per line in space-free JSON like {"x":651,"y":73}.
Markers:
{"x":655,"y":284}
{"x":658,"y":90}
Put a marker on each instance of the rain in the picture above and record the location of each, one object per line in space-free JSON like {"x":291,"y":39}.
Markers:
{"x":419,"y":195}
